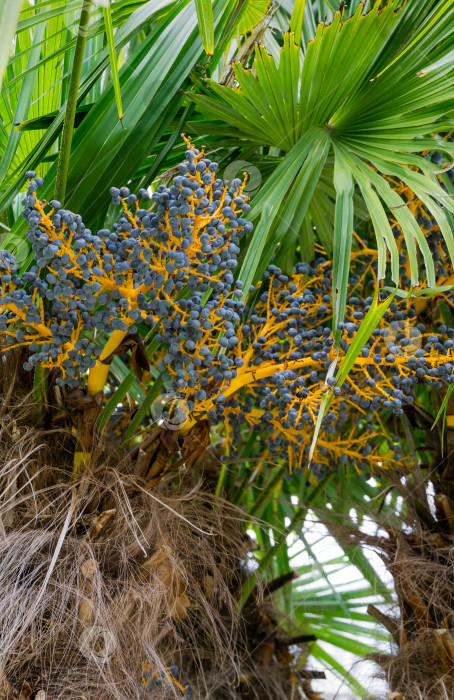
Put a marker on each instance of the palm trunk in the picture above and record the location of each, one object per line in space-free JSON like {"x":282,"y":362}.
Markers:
{"x":154,"y":562}
{"x":420,"y":557}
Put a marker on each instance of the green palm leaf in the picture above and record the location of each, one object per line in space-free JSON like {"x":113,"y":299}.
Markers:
{"x":9,"y":16}
{"x":249,"y":15}
{"x":335,"y":612}
{"x":150,"y":85}
{"x":204,"y":10}
{"x":330,"y":96}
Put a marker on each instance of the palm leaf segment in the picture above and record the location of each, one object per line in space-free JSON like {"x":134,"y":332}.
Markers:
{"x":329,"y":102}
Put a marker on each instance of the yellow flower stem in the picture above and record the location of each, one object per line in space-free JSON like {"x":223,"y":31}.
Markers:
{"x":97,"y":376}
{"x":248,"y":378}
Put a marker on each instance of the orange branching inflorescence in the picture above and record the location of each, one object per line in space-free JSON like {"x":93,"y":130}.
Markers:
{"x":135,"y":273}
{"x":284,"y":350}
{"x":258,"y":367}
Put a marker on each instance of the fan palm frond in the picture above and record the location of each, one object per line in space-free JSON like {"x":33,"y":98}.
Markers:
{"x":330,"y":101}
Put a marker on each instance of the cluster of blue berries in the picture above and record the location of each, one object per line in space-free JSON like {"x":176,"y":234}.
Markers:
{"x":150,"y":267}
{"x":258,"y":364}
{"x":272,"y":379}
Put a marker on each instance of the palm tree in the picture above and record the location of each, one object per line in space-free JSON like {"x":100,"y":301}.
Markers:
{"x":100,"y":535}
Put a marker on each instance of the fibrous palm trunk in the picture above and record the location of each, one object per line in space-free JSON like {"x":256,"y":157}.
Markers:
{"x":118,"y":563}
{"x":419,"y":554}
